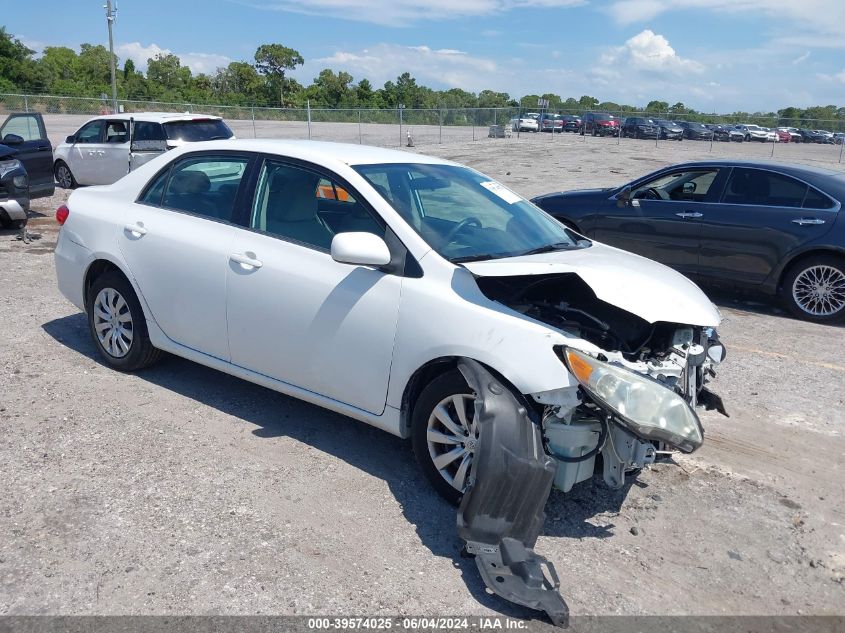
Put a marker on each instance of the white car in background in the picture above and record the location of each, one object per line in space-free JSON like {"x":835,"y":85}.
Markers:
{"x":753,"y":132}
{"x":529,"y":122}
{"x":794,"y":134}
{"x":108,"y":147}
{"x":413,"y":294}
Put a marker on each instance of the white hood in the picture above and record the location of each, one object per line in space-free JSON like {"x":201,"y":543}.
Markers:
{"x":638,"y":285}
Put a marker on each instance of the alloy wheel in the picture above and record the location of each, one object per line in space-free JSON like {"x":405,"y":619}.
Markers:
{"x":113,"y":322}
{"x":64,"y":177}
{"x":820,"y":290}
{"x":452,"y":437}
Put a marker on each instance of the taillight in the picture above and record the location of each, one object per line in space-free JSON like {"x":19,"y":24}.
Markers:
{"x":61,"y":214}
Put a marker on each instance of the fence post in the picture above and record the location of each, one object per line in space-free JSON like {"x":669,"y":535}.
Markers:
{"x":841,"y":147}
{"x":308,"y":106}
{"x":254,"y":133}
{"x":474,"y":113}
{"x":400,"y":108}
{"x":25,"y":103}
{"x":440,"y":124}
{"x":360,"y":142}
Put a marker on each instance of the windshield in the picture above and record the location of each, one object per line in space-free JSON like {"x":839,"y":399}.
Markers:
{"x":463,"y":215}
{"x":197,"y":130}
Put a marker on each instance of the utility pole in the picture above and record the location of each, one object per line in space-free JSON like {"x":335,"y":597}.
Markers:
{"x":111,"y":12}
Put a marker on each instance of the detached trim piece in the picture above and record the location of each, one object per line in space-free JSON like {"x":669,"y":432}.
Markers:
{"x":502,"y":511}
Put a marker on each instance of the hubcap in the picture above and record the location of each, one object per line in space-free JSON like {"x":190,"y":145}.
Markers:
{"x":64,"y":176}
{"x":820,"y":290}
{"x":452,"y":436}
{"x":113,"y":322}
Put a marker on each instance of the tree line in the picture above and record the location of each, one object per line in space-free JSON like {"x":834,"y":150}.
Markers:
{"x":265,"y":81}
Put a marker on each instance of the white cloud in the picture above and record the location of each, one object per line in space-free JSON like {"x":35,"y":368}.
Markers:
{"x":383,"y":62}
{"x":197,"y":62}
{"x":801,"y":58}
{"x":406,"y":12}
{"x":814,"y":23}
{"x":833,"y":78}
{"x":647,"y":54}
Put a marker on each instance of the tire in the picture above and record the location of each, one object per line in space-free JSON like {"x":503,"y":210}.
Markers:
{"x":17,"y":224}
{"x":130,"y":348}
{"x":443,"y":388}
{"x":800,"y":287}
{"x":63,"y":175}
{"x":10,"y":224}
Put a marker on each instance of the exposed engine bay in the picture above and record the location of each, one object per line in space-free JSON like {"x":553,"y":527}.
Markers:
{"x":635,"y":398}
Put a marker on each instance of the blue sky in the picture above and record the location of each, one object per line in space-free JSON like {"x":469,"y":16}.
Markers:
{"x":714,"y":55}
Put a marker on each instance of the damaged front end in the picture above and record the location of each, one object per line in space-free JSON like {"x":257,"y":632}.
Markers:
{"x":636,"y":384}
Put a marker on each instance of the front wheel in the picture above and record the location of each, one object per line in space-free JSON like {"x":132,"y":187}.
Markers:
{"x":64,"y":176}
{"x":117,"y":324}
{"x":814,"y":289}
{"x":444,"y":434}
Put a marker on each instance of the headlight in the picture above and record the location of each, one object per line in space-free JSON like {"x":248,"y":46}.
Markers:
{"x":9,"y":165}
{"x":20,"y":181}
{"x":647,"y":408}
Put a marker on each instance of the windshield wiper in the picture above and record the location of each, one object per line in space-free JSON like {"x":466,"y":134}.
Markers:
{"x":547,"y":248}
{"x":472,"y":258}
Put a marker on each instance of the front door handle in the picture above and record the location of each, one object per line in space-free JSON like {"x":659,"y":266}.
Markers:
{"x":136,"y":229}
{"x":689,"y":214}
{"x":804,"y":221}
{"x":246,"y":260}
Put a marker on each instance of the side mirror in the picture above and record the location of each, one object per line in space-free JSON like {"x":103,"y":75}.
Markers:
{"x":623,"y":198}
{"x":360,"y":249}
{"x":12,"y":139}
{"x":70,"y":139}
{"x":689,"y":188}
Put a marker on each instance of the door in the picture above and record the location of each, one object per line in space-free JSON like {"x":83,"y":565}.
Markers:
{"x":115,"y":157}
{"x":176,"y":241}
{"x":762,"y":216}
{"x":662,"y":221}
{"x":148,"y":140}
{"x":84,"y":155}
{"x":294,"y":313}
{"x":26,"y":133}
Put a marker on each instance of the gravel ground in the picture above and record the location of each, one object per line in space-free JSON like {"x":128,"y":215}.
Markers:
{"x":181,"y":490}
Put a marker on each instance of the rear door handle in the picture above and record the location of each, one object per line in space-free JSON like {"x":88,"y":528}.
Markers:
{"x":803,"y":221}
{"x":689,"y":214}
{"x":136,"y":229}
{"x":246,"y":260}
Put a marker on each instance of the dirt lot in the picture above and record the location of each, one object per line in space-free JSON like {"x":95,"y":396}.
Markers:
{"x":183,"y":490}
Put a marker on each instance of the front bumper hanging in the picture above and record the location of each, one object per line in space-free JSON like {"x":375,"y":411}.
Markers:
{"x":502,"y":511}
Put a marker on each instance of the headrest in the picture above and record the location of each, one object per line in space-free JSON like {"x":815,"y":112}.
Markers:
{"x":189,"y":181}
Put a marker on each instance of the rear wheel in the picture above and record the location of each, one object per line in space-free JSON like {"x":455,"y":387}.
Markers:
{"x":117,"y":324}
{"x":444,"y":434}
{"x":814,"y":289}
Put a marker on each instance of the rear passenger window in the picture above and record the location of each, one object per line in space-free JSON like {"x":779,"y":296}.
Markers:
{"x":155,"y":190}
{"x":764,"y":188}
{"x":817,"y":200}
{"x":146,"y":131}
{"x":206,"y":186}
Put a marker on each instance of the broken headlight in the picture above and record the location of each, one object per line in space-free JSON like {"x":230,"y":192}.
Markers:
{"x":646,"y":407}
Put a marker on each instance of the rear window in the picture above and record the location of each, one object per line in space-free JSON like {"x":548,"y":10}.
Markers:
{"x":603,"y":117}
{"x":197,"y":130}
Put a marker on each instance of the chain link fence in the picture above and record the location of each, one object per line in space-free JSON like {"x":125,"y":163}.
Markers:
{"x":396,"y":127}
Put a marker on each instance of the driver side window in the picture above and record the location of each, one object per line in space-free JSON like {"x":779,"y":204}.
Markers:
{"x":688,"y":186}
{"x":90,"y":132}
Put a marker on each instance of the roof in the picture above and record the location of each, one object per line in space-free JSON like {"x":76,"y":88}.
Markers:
{"x":320,"y":152}
{"x":157,"y":117}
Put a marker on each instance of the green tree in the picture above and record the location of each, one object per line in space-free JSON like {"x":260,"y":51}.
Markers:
{"x":587,"y":102}
{"x":17,"y":68}
{"x":332,"y":90}
{"x":657,"y":106}
{"x":167,"y":72}
{"x":93,"y":69}
{"x":273,"y":61}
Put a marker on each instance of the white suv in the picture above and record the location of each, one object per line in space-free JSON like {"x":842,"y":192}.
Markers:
{"x":107,"y":147}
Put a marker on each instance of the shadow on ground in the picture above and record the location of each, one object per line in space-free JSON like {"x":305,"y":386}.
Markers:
{"x":366,"y":448}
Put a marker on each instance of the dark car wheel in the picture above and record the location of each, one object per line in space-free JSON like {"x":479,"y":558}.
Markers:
{"x":814,"y":289}
{"x":64,"y":176}
{"x":117,"y":324}
{"x":444,"y":434}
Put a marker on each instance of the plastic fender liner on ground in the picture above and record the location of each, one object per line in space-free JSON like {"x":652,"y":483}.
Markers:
{"x":502,"y":511}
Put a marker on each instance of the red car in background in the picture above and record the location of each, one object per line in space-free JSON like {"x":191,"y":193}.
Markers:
{"x":600,"y":124}
{"x":783,"y":136}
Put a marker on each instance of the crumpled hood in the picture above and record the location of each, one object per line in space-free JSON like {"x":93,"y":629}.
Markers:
{"x":7,"y":152}
{"x":638,"y":285}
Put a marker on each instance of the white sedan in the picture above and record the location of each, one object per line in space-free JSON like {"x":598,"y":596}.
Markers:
{"x":405,"y":291}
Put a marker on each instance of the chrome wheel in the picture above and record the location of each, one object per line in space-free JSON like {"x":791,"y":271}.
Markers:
{"x":64,"y":177}
{"x":820,"y":290}
{"x":452,"y":437}
{"x":113,"y":322}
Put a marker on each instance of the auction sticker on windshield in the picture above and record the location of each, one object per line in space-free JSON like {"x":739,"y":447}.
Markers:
{"x":500,"y":190}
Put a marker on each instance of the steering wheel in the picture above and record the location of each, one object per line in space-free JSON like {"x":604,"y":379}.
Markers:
{"x":652,"y":194}
{"x":470,"y":221}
